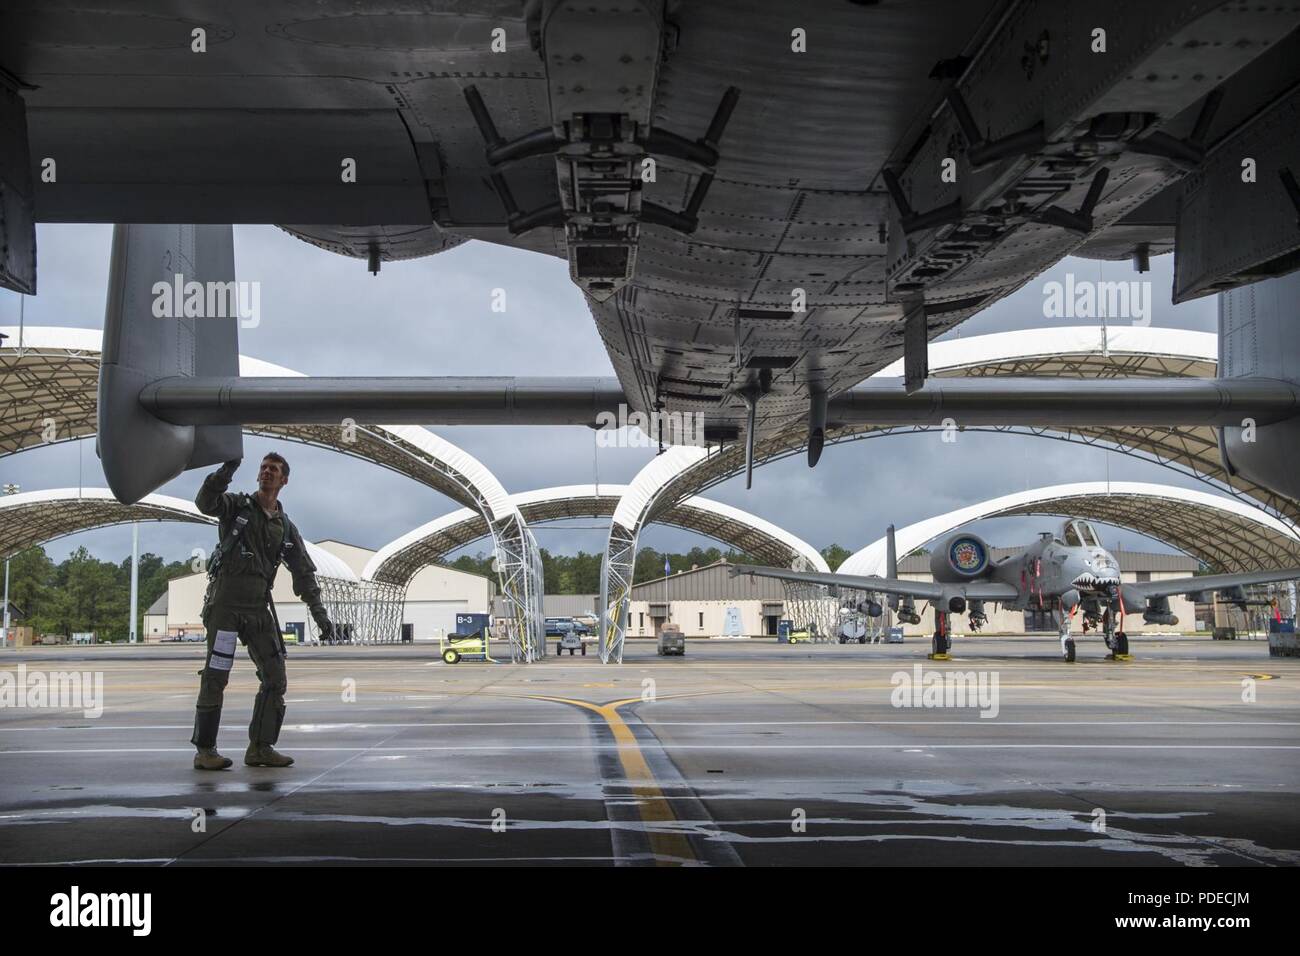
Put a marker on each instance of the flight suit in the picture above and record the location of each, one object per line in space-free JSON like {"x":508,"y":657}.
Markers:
{"x":238,"y":608}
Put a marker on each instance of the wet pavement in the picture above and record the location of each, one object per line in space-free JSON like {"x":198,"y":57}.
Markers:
{"x":742,"y":752}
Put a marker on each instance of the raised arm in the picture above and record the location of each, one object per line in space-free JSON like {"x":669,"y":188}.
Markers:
{"x":212,"y":499}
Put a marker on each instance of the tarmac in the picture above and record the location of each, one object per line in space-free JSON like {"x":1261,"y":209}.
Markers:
{"x":740,"y":753}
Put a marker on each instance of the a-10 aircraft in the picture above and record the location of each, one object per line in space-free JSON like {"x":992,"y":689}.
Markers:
{"x":1065,"y":572}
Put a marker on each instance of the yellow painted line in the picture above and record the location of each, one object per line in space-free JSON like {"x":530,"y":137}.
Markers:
{"x":670,"y":849}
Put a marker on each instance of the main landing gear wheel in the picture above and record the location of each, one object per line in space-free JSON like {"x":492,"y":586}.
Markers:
{"x":1120,"y":649}
{"x":1069,"y":651}
{"x":939,"y":647}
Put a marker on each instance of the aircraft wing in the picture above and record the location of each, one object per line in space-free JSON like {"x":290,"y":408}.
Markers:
{"x":1212,"y":582}
{"x":926,"y":590}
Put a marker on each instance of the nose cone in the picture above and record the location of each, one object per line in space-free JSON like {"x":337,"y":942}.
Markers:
{"x":1100,"y":574}
{"x":1105,"y":560}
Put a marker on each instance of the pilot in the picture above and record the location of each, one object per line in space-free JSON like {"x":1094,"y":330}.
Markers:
{"x":255,"y":537}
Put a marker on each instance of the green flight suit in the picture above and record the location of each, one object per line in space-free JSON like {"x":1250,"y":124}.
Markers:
{"x":237,"y":607}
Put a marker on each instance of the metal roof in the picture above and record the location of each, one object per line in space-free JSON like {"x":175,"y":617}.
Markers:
{"x":401,"y":558}
{"x":713,"y":582}
{"x":1075,"y":351}
{"x":52,"y":373}
{"x":1223,"y":532}
{"x":1071,"y":351}
{"x":35,"y":517}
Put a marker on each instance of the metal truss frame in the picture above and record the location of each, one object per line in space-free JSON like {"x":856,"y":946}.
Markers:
{"x":616,"y":578}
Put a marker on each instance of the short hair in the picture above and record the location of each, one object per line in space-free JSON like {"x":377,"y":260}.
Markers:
{"x":279,"y":459}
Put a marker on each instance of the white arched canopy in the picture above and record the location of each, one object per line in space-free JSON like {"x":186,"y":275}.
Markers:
{"x":35,"y":517}
{"x":50,"y":374}
{"x":1225,"y":533}
{"x":397,"y":561}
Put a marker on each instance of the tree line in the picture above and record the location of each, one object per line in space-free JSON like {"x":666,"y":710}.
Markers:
{"x":580,"y":573}
{"x":82,"y":593}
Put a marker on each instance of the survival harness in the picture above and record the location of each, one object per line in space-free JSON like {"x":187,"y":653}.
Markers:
{"x":227,"y":544}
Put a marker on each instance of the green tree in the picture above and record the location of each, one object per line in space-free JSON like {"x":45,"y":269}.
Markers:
{"x":32,"y":578}
{"x":835,"y":555}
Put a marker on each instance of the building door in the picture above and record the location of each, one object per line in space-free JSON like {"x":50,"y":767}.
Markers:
{"x":1038,"y":619}
{"x":769,"y":624}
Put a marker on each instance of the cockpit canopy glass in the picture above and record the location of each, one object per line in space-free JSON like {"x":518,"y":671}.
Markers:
{"x":1079,"y":534}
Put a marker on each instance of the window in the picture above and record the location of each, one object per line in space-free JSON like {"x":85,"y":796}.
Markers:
{"x":1072,"y":536}
{"x":701,"y":620}
{"x":1143,"y":576}
{"x":641,"y":622}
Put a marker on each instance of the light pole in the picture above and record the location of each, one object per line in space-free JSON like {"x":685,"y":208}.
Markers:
{"x":135,"y":575}
{"x":9,"y":489}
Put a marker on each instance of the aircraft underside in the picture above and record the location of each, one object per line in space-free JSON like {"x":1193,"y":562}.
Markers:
{"x":764,"y":204}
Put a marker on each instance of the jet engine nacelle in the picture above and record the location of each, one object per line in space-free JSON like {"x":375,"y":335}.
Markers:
{"x":960,"y":558}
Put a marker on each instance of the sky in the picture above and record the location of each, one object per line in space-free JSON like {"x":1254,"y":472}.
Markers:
{"x":323,"y":314}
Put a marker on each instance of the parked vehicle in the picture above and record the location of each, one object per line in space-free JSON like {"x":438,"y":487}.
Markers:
{"x":465,"y":647}
{"x":572,"y":642}
{"x":671,"y":641}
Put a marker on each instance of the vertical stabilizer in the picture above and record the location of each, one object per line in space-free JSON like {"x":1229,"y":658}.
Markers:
{"x":1259,"y":336}
{"x":172,"y":311}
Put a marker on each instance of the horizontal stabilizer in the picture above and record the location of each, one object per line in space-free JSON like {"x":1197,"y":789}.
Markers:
{"x":579,"y":401}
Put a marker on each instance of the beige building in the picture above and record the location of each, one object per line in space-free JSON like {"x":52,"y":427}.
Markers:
{"x":435,"y":596}
{"x":709,"y":602}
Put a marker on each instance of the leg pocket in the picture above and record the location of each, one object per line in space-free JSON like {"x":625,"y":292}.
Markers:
{"x":222,"y":655}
